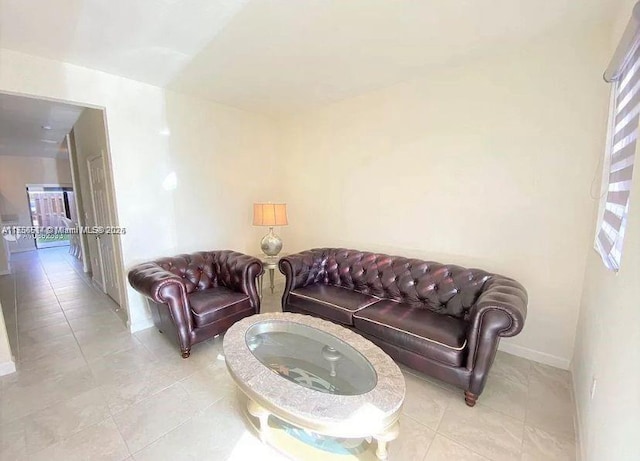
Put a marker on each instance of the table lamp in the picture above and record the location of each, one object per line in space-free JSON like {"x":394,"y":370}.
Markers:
{"x":270,"y":214}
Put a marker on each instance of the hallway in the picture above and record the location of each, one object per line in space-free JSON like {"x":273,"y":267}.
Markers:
{"x":48,"y":297}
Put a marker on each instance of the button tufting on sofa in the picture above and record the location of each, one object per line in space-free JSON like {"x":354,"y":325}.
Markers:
{"x":441,"y":319}
{"x":203,"y":294}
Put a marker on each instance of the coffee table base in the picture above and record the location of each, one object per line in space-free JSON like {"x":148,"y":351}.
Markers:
{"x":262,"y":415}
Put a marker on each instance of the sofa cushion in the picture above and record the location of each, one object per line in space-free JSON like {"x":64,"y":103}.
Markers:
{"x":216,"y":303}
{"x":333,"y":303}
{"x":437,"y":336}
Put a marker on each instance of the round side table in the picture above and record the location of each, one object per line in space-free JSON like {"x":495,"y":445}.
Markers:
{"x":270,"y":263}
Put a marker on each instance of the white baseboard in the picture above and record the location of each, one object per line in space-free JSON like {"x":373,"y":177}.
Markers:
{"x":7,"y":368}
{"x":536,"y":356}
{"x":7,"y":272}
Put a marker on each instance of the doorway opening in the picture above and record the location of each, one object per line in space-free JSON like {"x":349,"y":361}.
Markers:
{"x":52,"y":207}
{"x":58,"y":153}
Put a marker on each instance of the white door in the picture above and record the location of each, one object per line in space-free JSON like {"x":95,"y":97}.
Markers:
{"x":104,"y":263}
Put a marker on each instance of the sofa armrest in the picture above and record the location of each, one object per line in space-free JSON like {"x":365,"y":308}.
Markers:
{"x":500,"y":311}
{"x":151,"y":280}
{"x":301,"y":269}
{"x":163,"y":287}
{"x":239,"y":272}
{"x":505,"y":295}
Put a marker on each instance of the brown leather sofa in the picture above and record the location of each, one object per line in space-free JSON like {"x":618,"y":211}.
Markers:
{"x":194,"y":297}
{"x":443,"y":320}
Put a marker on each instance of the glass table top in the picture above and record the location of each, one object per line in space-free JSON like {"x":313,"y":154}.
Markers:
{"x":310,"y":357}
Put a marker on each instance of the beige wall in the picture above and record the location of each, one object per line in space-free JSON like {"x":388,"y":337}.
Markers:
{"x":7,"y":364}
{"x":5,"y":267}
{"x":488,"y":163}
{"x":607,"y":347}
{"x":222,"y":159}
{"x":15,"y":173}
{"x":225,"y":159}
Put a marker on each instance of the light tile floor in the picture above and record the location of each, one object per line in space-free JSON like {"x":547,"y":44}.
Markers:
{"x":86,"y":389}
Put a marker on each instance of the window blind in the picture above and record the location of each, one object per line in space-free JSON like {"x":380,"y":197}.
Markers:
{"x":625,"y":119}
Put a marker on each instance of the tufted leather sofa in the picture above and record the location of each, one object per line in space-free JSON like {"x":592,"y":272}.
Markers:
{"x":443,"y":320}
{"x":194,"y":297}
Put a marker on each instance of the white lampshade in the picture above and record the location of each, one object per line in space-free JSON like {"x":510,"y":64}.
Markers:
{"x":270,"y":214}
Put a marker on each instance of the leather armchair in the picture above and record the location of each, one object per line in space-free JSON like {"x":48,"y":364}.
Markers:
{"x":441,"y":319}
{"x":194,"y":297}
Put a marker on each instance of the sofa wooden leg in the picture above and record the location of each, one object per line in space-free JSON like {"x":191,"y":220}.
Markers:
{"x":470,"y":398}
{"x":186,"y":354}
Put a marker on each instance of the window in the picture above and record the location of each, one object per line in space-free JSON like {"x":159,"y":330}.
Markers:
{"x":621,"y":149}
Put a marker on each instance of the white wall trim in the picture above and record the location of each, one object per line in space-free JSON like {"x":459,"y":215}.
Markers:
{"x":7,"y":368}
{"x":536,"y":356}
{"x":7,"y":272}
{"x":577,"y":419}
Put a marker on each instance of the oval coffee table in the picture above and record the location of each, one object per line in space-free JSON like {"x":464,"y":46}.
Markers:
{"x":315,"y":375}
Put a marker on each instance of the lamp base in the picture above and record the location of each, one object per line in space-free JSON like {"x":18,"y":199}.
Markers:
{"x":271,"y":244}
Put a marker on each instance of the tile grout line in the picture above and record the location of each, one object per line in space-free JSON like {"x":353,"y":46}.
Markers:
{"x":455,"y":441}
{"x":45,"y":272}
{"x":424,"y":426}
{"x":458,"y":443}
{"x":68,"y":436}
{"x":178,"y":426}
{"x":84,"y":277}
{"x":15,"y":305}
{"x":98,"y":385}
{"x":559,"y":434}
{"x":131,"y":453}
{"x":526,"y":409}
{"x":437,"y":430}
{"x":479,"y":402}
{"x":487,"y":407}
{"x":61,"y":401}
{"x":503,"y":414}
{"x":176,"y":382}
{"x":66,"y":318}
{"x":16,"y":302}
{"x":112,"y":414}
{"x":89,"y":285}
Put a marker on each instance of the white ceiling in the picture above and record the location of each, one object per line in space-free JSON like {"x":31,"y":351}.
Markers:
{"x":279,"y":55}
{"x":146,"y":40}
{"x":22,"y":121}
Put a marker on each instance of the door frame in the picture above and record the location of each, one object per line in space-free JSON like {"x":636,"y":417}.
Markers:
{"x":122,"y":285}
